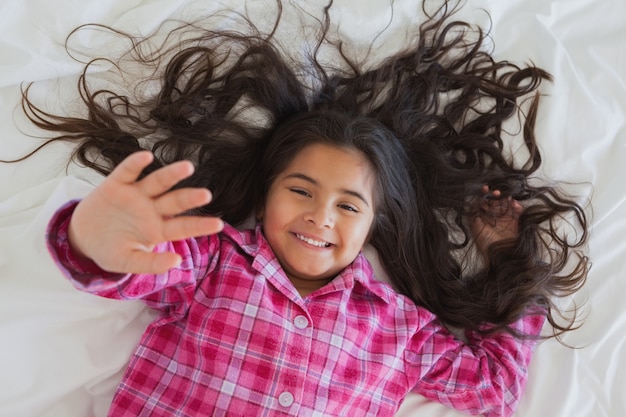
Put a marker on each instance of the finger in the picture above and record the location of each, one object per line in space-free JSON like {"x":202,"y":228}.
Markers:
{"x":518,"y":209}
{"x":179,"y":201}
{"x":185,"y":227}
{"x":496,"y":194}
{"x":489,"y":193}
{"x":486,"y":202}
{"x":501,"y":207}
{"x":130,"y":168}
{"x":507,"y":207}
{"x":494,"y":204}
{"x":163,"y":179}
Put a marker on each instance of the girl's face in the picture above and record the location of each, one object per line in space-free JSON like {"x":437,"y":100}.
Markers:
{"x":319,"y":212}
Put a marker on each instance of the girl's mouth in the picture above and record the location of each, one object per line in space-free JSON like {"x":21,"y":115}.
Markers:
{"x":312,"y":242}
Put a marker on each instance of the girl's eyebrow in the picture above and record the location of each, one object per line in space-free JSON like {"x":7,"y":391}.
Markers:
{"x":308,"y":179}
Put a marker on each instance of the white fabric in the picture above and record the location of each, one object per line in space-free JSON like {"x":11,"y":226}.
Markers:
{"x":62,"y":352}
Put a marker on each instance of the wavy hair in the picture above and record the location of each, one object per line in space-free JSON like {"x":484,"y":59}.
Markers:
{"x":437,"y":110}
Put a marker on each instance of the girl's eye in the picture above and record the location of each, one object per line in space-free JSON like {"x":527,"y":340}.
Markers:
{"x":349,"y":208}
{"x":300,"y":191}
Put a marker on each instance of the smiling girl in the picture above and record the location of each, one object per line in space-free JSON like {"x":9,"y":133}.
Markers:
{"x":285,"y":318}
{"x":407,"y":155}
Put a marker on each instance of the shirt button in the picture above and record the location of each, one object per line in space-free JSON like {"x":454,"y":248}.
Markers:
{"x":285,"y":399}
{"x":301,"y":322}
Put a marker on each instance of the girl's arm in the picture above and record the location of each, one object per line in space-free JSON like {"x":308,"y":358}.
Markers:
{"x":127,"y":227}
{"x":486,"y":374}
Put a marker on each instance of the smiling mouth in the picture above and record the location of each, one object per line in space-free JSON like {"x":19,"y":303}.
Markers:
{"x":312,"y":242}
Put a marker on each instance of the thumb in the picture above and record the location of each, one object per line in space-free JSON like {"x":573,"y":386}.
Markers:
{"x":144,"y":262}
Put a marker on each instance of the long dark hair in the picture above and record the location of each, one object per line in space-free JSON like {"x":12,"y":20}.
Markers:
{"x":438,"y":110}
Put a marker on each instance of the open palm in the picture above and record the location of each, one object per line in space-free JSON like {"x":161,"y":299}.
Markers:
{"x":120,"y":222}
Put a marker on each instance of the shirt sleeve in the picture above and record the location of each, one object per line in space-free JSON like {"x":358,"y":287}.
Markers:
{"x":485,"y":375}
{"x":170,"y":292}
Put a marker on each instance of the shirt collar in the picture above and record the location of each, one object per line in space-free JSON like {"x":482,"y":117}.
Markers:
{"x":358,"y":276}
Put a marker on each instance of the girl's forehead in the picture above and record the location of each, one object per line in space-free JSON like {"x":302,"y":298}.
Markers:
{"x":334,"y":166}
{"x":334,"y":157}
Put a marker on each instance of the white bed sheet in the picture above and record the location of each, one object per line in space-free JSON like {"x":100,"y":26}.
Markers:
{"x":62,"y":352}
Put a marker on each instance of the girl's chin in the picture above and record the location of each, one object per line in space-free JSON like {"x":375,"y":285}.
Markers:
{"x":312,"y":277}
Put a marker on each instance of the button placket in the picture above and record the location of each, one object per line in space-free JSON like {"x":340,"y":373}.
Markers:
{"x":302,"y":348}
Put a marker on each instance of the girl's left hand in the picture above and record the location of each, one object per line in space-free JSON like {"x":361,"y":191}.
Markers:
{"x":499,"y":219}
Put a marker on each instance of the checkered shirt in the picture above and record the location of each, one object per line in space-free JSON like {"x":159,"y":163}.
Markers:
{"x":234,"y":337}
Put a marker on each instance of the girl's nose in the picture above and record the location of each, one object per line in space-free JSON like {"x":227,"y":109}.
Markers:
{"x":321,"y":215}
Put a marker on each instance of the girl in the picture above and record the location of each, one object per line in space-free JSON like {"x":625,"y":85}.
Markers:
{"x":439,"y":186}
{"x":286,"y":318}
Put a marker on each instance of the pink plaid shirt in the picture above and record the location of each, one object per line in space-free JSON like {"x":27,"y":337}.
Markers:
{"x":234,"y":337}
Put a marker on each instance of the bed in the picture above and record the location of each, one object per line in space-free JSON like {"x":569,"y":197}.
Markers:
{"x":62,"y":352}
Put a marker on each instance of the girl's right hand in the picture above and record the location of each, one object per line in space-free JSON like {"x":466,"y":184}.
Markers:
{"x":498,"y":219}
{"x":120,"y":222}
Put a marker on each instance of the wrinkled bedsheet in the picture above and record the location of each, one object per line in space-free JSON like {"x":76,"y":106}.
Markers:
{"x":62,"y":352}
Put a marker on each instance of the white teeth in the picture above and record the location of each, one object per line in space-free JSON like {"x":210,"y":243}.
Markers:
{"x":313,"y":242}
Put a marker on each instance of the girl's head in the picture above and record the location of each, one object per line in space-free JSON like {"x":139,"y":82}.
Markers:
{"x":328,"y":181}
